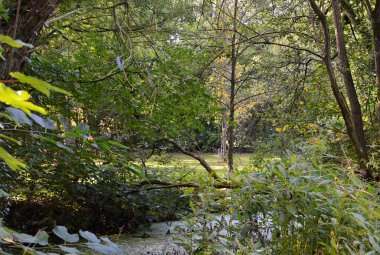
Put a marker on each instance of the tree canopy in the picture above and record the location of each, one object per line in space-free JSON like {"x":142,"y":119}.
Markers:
{"x":92,"y":91}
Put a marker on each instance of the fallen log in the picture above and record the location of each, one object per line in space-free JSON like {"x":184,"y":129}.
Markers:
{"x":169,"y":185}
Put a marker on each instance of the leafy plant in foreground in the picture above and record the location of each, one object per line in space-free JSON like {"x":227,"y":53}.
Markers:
{"x":18,"y":243}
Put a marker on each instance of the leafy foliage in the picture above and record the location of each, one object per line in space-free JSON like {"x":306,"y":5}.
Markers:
{"x":39,"y":244}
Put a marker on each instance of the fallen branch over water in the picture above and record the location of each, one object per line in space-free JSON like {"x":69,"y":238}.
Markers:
{"x":169,"y":185}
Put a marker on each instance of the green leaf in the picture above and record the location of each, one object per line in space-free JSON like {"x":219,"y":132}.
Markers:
{"x":19,"y":115}
{"x":38,"y":84}
{"x":133,"y":169}
{"x":6,"y":234}
{"x":89,"y":236}
{"x":42,"y":238}
{"x":61,"y":231}
{"x":374,"y":243}
{"x":117,"y":144}
{"x":70,"y":250}
{"x":291,"y":208}
{"x":8,"y":40}
{"x":360,"y":219}
{"x":259,"y":186}
{"x":13,"y":163}
{"x":61,"y":145}
{"x":112,"y":245}
{"x":109,"y":248}
{"x":45,"y":123}
{"x":10,"y":139}
{"x":43,"y":138}
{"x":54,"y":142}
{"x":103,"y":249}
{"x":24,"y":238}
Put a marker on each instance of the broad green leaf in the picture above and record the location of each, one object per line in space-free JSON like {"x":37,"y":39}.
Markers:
{"x":19,"y":115}
{"x":24,"y":238}
{"x":70,"y":250}
{"x":109,"y":248}
{"x":45,"y":123}
{"x":38,"y":84}
{"x":89,"y":236}
{"x":61,"y":231}
{"x":112,"y":245}
{"x":5,"y":234}
{"x":42,"y":238}
{"x":103,"y":249}
{"x":13,"y":163}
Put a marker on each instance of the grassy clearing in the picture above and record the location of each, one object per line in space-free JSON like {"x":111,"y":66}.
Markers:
{"x":180,"y":162}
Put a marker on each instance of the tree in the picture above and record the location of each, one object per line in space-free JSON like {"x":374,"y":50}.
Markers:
{"x":25,"y":21}
{"x":352,"y":118}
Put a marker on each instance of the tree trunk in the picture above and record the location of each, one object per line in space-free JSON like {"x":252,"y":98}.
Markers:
{"x":26,"y":21}
{"x":375,"y":20}
{"x":231,"y":119}
{"x":345,"y":110}
{"x":356,"y":113}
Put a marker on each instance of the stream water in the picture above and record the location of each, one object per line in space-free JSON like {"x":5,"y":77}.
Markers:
{"x":158,"y":238}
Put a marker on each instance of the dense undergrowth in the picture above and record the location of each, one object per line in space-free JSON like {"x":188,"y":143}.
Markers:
{"x":295,"y":205}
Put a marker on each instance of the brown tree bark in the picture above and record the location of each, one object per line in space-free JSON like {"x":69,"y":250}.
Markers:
{"x":339,"y":97}
{"x":356,"y":113}
{"x":27,"y":18}
{"x":231,"y":117}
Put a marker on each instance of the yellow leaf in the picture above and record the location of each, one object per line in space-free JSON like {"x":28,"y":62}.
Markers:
{"x":13,"y":163}
{"x":18,"y":100}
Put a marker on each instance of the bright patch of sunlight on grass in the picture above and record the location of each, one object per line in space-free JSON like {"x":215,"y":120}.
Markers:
{"x":173,"y":161}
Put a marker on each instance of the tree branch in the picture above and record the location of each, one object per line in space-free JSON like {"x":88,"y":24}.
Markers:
{"x":193,"y":155}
